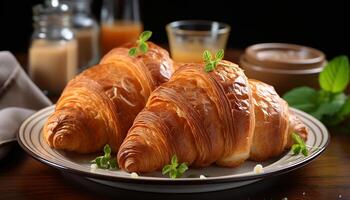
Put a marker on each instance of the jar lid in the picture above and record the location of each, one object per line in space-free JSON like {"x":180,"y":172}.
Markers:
{"x":284,"y":56}
{"x":52,"y":7}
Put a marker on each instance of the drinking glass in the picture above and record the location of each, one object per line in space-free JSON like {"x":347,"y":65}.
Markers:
{"x":120,"y":23}
{"x":189,"y":38}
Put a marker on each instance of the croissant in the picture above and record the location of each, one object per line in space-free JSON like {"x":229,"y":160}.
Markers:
{"x":274,"y":123}
{"x":98,"y":106}
{"x":204,"y":118}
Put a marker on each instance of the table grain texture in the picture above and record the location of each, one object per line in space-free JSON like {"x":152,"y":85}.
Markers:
{"x":327,"y":177}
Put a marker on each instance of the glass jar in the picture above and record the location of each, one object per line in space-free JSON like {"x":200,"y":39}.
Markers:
{"x":53,"y":52}
{"x":86,"y":32}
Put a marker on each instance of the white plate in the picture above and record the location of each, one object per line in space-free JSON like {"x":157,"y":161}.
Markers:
{"x":218,"y":178}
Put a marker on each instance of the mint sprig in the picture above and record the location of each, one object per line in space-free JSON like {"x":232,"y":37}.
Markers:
{"x":106,"y":161}
{"x":211,"y":62}
{"x":329,"y":104}
{"x":174,"y":169}
{"x":299,"y":145}
{"x":142,"y":46}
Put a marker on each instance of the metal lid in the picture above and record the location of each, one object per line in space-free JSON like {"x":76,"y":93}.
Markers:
{"x":52,"y":14}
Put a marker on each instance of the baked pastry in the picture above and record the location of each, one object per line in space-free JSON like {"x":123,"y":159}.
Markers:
{"x":208,"y":117}
{"x":274,"y":123}
{"x":99,"y":105}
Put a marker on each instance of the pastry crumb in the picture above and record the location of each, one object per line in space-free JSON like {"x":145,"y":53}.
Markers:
{"x":258,"y":169}
{"x":134,"y":175}
{"x":93,"y":166}
{"x":202,"y":177}
{"x":340,"y":196}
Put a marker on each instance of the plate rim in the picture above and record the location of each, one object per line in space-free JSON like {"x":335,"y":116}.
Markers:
{"x":181,"y":181}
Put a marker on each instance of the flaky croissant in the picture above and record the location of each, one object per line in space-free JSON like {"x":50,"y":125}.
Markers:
{"x":98,"y":106}
{"x":217,"y":117}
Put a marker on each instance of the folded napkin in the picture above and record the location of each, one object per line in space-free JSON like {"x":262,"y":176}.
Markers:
{"x":19,"y":98}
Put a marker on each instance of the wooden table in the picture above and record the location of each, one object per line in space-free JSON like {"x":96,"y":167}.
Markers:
{"x":327,"y":177}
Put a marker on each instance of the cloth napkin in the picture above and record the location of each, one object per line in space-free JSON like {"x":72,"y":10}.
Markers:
{"x":19,"y":98}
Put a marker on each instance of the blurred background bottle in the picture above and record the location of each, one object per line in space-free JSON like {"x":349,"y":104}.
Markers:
{"x":86,"y":32}
{"x":53,"y":53}
{"x":120,"y":23}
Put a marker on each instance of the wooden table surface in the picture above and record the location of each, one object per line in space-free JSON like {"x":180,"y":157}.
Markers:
{"x":327,"y":177}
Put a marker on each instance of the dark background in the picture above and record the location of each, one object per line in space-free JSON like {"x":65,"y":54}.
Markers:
{"x":320,"y":24}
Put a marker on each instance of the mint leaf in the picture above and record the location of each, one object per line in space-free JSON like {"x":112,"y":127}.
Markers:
{"x":341,"y":115}
{"x":113,"y":164}
{"x":173,"y":174}
{"x":107,"y":150}
{"x":104,"y":163}
{"x":207,"y":57}
{"x":303,"y":98}
{"x":182,"y":168}
{"x":299,"y":145}
{"x":305,"y":152}
{"x":296,"y":148}
{"x":174,"y":160}
{"x":132,"y":51}
{"x":143,"y":47}
{"x":335,"y":76}
{"x":345,"y":109}
{"x":329,"y":106}
{"x":219,"y":55}
{"x":297,"y":139}
{"x":166,"y":169}
{"x":209,"y":67}
{"x":97,"y":160}
{"x":145,"y":35}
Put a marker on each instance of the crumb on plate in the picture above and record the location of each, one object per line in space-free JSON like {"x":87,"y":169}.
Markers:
{"x":134,"y":175}
{"x":202,"y":177}
{"x":258,"y":169}
{"x":93,"y":166}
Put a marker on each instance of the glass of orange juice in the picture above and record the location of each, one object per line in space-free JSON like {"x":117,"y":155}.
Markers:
{"x":120,"y":23}
{"x":189,"y":38}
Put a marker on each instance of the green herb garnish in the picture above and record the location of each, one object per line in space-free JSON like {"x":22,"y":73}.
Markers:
{"x":299,"y":145}
{"x":142,"y":45}
{"x":210,"y":62}
{"x":174,"y":169}
{"x":106,"y":161}
{"x":335,"y":77}
{"x":329,"y":104}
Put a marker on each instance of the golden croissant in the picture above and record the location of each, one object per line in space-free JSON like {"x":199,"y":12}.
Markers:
{"x":98,"y":106}
{"x":209,"y":117}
